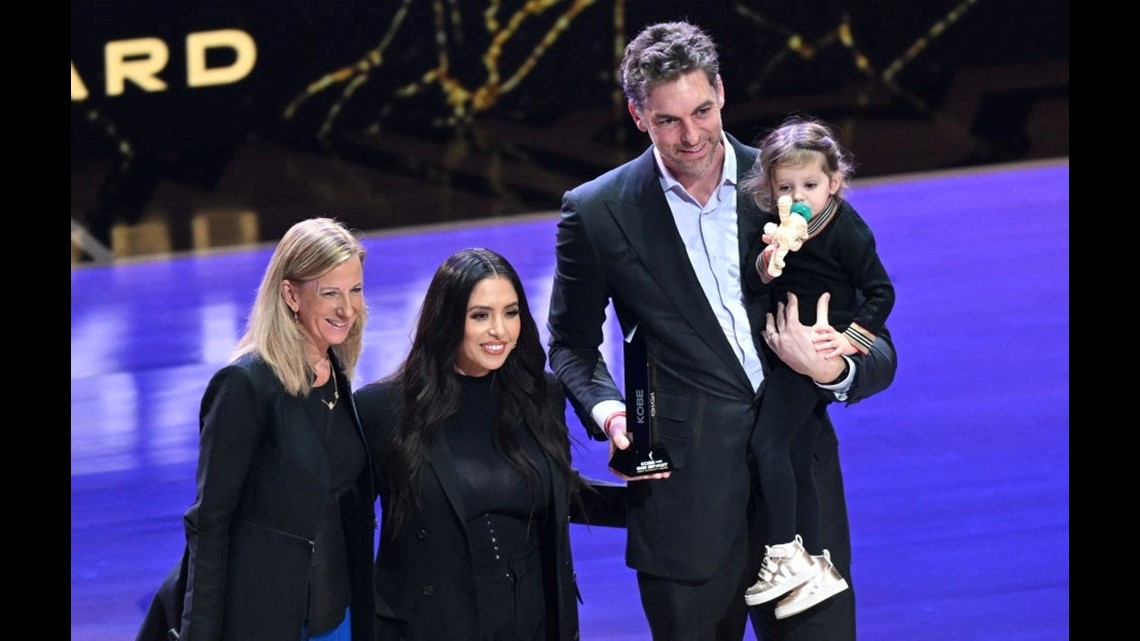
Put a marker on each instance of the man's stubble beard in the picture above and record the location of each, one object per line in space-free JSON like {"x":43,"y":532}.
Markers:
{"x":703,"y":166}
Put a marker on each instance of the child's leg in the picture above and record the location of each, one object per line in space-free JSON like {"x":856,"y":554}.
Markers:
{"x":787,"y":565}
{"x":783,"y":411}
{"x":808,"y":523}
{"x":828,"y":582}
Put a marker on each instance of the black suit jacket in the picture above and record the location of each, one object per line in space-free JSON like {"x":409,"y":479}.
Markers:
{"x":425,"y":582}
{"x":263,"y":479}
{"x":617,"y":241}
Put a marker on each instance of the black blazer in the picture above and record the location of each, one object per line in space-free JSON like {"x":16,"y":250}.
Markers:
{"x":425,"y":585}
{"x":263,"y":479}
{"x":617,"y":240}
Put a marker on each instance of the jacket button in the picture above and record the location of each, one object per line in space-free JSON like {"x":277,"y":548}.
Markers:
{"x":428,"y":590}
{"x":422,"y":535}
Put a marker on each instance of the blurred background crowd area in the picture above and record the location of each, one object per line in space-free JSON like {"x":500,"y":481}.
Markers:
{"x":211,"y":124}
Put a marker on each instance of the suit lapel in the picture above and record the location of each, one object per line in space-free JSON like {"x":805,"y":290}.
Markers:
{"x":749,"y":220}
{"x":749,"y":223}
{"x":442,"y":463}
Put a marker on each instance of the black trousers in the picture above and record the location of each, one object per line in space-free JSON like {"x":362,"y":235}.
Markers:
{"x":712,"y":610}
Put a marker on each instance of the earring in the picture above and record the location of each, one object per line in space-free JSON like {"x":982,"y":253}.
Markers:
{"x":295,"y":319}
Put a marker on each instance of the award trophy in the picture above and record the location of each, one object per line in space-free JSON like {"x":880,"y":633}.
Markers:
{"x":645,"y":454}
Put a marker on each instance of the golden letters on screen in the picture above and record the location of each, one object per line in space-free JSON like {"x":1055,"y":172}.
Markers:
{"x":140,"y":60}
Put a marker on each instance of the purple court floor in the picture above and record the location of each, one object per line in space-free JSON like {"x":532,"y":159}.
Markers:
{"x":957,"y":475}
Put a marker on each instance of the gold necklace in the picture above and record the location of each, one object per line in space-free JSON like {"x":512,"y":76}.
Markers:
{"x":336,"y":392}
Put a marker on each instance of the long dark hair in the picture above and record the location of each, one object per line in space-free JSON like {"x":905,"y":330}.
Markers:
{"x":429,"y":385}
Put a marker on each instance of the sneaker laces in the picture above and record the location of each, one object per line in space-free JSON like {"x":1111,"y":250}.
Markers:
{"x":770,"y":566}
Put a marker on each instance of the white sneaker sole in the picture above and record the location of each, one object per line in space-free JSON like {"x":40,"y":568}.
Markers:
{"x":782,"y":589}
{"x":795,"y":606}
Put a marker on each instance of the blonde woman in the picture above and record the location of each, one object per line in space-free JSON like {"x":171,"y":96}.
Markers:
{"x":279,"y":540}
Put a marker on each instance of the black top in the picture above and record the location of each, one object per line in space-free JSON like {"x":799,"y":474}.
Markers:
{"x":839,"y":257}
{"x":329,"y":592}
{"x":491,"y":484}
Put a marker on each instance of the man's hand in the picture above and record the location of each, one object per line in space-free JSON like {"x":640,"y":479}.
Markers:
{"x":801,"y":347}
{"x":621,"y":440}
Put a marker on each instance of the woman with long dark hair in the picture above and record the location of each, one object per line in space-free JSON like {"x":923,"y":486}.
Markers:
{"x":472,"y":455}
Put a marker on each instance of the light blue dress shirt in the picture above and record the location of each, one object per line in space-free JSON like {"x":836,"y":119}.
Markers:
{"x":709,"y":232}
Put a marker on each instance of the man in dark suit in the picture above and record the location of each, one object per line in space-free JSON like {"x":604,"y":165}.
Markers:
{"x":664,"y":238}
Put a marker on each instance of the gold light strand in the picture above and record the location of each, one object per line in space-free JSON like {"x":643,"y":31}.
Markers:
{"x":844,"y":34}
{"x":462,"y":101}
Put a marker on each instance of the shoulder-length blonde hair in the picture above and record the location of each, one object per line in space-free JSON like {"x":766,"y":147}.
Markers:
{"x":310,"y":249}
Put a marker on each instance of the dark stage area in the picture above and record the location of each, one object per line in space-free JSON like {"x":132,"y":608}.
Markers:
{"x":394,"y":115}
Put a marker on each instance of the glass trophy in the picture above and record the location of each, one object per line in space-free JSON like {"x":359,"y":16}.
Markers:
{"x":645,"y":455}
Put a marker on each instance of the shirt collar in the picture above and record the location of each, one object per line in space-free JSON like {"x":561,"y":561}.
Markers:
{"x":728,"y":173}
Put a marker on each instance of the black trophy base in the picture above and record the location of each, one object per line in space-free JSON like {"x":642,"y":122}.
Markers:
{"x":635,"y":462}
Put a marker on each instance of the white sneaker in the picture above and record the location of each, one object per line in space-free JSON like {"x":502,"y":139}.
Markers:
{"x":785,"y":567}
{"x":826,"y":584}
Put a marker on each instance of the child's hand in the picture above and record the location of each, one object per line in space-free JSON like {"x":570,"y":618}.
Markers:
{"x":764,"y":262}
{"x":832,"y":344}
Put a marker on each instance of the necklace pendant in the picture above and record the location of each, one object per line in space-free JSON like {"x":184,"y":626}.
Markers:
{"x":336,"y":394}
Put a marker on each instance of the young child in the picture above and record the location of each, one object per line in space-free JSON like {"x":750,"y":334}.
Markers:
{"x":804,"y":160}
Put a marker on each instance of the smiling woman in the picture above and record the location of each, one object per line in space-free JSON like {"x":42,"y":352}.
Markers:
{"x":284,"y":501}
{"x":325,"y":309}
{"x":491,"y":329}
{"x":472,"y":454}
